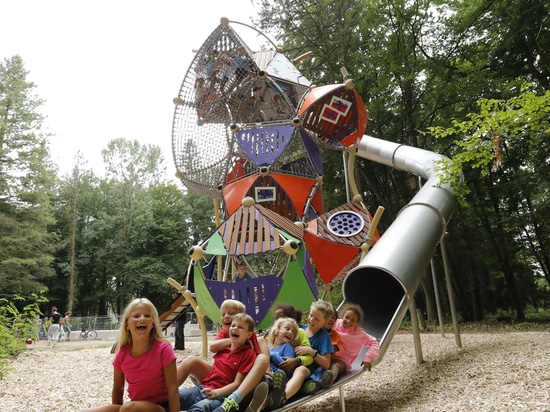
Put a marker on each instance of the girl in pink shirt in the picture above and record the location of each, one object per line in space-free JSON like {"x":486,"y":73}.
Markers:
{"x":352,"y":339}
{"x":145,"y":361}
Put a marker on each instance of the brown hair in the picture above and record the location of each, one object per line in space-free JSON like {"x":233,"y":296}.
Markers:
{"x":246,"y":319}
{"x":354,"y":308}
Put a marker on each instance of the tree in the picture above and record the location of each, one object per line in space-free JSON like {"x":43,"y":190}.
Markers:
{"x":504,"y":150}
{"x":26,"y":179}
{"x":75,"y":209}
{"x":421,"y":64}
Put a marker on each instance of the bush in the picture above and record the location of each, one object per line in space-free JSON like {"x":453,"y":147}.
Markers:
{"x":16,"y":326}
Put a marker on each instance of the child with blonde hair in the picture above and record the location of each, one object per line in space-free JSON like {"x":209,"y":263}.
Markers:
{"x":308,"y":380}
{"x":352,"y":338}
{"x":146,"y":361}
{"x":283,"y":337}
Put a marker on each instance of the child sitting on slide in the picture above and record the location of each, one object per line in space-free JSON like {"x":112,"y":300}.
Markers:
{"x":308,"y":379}
{"x":352,"y":339}
{"x":282,"y":339}
{"x":228,"y":371}
{"x":199,"y":368}
{"x":334,"y":336}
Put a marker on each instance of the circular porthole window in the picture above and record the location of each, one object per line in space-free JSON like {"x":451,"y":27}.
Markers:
{"x":345,"y":223}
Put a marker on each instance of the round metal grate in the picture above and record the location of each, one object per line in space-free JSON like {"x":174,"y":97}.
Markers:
{"x":345,"y":223}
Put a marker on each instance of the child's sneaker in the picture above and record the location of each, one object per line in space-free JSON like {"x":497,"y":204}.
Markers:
{"x":310,"y":387}
{"x":277,"y":396}
{"x":326,"y":380}
{"x":194,"y":380}
{"x":228,"y":405}
{"x":258,"y":398}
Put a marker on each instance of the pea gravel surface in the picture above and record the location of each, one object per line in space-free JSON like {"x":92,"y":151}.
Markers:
{"x":493,"y":371}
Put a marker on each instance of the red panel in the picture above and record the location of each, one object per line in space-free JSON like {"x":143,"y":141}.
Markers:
{"x":329,"y":258}
{"x":234,"y":193}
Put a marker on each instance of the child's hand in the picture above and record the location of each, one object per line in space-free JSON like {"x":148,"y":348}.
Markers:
{"x":288,"y":364}
{"x":367,"y":365}
{"x":302,"y":350}
{"x":210,"y":393}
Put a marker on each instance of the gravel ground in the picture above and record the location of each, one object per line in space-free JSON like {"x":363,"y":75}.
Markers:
{"x":499,"y":371}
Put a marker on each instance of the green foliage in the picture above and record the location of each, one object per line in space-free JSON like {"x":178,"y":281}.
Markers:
{"x":26,"y":180}
{"x":420,"y":67}
{"x":17,"y":325}
{"x":481,"y":140}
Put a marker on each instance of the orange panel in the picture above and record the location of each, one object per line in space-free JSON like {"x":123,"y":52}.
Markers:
{"x":315,"y":94}
{"x":296,"y":188}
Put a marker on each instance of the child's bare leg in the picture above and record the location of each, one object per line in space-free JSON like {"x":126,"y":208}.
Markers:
{"x":337,"y":368}
{"x":254,"y":377}
{"x":295,"y":383}
{"x":193,"y":365}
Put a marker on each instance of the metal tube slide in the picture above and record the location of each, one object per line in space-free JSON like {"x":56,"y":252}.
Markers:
{"x":388,"y":276}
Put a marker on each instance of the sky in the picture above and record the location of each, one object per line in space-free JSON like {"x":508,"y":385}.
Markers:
{"x":110,"y":68}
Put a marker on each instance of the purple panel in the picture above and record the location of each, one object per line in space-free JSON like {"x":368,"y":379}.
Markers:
{"x":308,"y":273}
{"x":313,"y":151}
{"x":263,"y":145}
{"x":208,"y":269}
{"x":256,"y":294}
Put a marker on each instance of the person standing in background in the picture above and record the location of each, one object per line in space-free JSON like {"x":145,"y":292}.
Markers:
{"x":53,"y":329}
{"x":67,"y":325}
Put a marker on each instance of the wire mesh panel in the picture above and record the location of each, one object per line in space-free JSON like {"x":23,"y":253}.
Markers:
{"x":222,"y":86}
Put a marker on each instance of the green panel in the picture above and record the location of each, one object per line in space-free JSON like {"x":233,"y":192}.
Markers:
{"x":295,"y":290}
{"x":204,"y":298}
{"x":215,"y":245}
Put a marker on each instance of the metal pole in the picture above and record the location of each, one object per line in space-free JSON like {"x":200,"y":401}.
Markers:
{"x":437,"y":300}
{"x":450,"y":293}
{"x":416,"y":332}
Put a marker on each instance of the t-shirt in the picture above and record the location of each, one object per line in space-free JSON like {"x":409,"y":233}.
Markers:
{"x":55,"y":318}
{"x":335,"y":338}
{"x":247,"y":276}
{"x":320,"y":342}
{"x":227,"y":364}
{"x":145,"y":373}
{"x":277,"y":355}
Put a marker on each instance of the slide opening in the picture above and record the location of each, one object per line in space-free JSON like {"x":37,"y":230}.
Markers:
{"x":380,"y":295}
